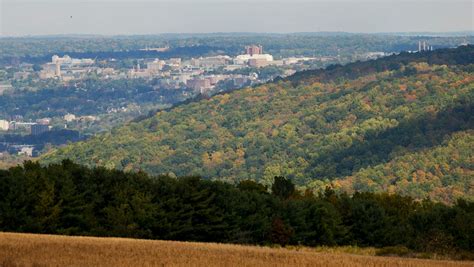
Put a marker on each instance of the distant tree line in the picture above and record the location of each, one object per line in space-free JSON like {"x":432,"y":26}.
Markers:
{"x":186,"y":52}
{"x":67,"y":198}
{"x":40,"y":141}
{"x":86,"y":97}
{"x":449,"y":56}
{"x":54,"y":137}
{"x":13,"y":50}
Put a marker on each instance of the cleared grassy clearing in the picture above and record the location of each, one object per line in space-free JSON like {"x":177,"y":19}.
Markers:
{"x":52,"y":250}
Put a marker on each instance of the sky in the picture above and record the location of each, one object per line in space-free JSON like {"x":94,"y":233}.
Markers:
{"x":127,"y":17}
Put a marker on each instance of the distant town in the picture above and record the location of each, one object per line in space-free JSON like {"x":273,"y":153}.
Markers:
{"x":200,"y":74}
{"x":192,"y":76}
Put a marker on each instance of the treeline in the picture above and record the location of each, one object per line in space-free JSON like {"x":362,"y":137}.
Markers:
{"x":67,"y":198}
{"x":186,"y":52}
{"x":88,"y":97}
{"x":449,"y":56}
{"x":285,"y":45}
{"x":54,"y":137}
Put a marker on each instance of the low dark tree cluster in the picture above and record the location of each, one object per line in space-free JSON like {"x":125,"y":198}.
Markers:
{"x":67,"y":198}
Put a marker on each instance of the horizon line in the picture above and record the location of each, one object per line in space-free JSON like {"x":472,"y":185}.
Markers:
{"x":414,"y":33}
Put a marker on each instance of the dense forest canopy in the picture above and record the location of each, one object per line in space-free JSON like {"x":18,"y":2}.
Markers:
{"x":70,"y":199}
{"x":367,"y":126}
{"x":86,"y":97}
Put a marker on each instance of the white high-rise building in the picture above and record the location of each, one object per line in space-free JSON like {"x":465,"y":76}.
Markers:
{"x":4,"y":125}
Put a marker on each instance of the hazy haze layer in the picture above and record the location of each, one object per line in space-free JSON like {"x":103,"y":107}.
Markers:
{"x":151,"y":17}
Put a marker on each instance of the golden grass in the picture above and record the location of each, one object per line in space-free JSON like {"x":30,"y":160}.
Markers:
{"x":53,"y":250}
{"x":9,"y":161}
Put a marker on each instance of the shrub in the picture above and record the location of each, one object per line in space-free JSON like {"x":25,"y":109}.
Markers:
{"x":393,"y":251}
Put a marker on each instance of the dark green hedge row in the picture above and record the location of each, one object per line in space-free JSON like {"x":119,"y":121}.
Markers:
{"x":71,"y":199}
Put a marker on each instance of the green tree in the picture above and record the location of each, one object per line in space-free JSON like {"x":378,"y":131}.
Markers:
{"x":282,"y":187}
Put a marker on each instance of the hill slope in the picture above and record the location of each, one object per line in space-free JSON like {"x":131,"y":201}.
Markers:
{"x":51,"y":250}
{"x":360,"y":127}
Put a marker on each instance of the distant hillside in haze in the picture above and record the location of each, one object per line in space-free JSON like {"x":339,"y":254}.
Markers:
{"x":400,"y":124}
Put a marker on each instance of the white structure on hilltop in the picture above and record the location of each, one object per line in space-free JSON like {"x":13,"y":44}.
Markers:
{"x":26,"y":151}
{"x":69,"y":117}
{"x":4,"y":125}
{"x":67,"y":60}
{"x":210,"y":62}
{"x":254,"y":57}
{"x":423,"y":46}
{"x":244,"y":59}
{"x":54,"y":68}
{"x":155,"y":66}
{"x":4,"y":87}
{"x":138,"y":72}
{"x":61,"y":60}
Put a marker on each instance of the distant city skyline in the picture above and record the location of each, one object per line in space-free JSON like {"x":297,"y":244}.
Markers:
{"x":107,"y":17}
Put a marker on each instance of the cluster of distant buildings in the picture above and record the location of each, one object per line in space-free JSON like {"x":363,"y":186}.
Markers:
{"x":176,"y":69}
{"x":176,"y":73}
{"x":73,"y":118}
{"x":5,"y":87}
{"x":40,"y":125}
{"x":198,"y":74}
{"x":423,"y":46}
{"x":63,"y":68}
{"x":173,"y":73}
{"x":66,"y":68}
{"x":25,"y":150}
{"x":34,"y":128}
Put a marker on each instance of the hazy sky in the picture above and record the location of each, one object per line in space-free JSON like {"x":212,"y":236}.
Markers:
{"x":40,"y":17}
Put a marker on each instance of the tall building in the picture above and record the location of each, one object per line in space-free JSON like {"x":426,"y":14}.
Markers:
{"x":210,"y":62}
{"x":244,"y":59}
{"x":258,"y":62}
{"x":254,"y":50}
{"x":4,"y":87}
{"x":37,"y":129}
{"x":61,"y":60}
{"x":4,"y":125}
{"x":155,"y":66}
{"x":424,"y":46}
{"x":57,"y":71}
{"x":45,"y":121}
{"x":200,"y":85}
{"x":69,"y":117}
{"x":26,"y":151}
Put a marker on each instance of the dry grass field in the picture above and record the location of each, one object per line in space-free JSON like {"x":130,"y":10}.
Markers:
{"x":51,"y":250}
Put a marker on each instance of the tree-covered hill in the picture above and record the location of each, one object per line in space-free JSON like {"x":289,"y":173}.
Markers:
{"x":367,"y":126}
{"x":463,"y":55}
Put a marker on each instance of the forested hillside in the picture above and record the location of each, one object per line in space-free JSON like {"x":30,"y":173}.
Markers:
{"x":396,"y":124}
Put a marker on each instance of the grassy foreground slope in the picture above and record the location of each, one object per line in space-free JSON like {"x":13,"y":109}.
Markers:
{"x":50,"y":250}
{"x":317,"y":128}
